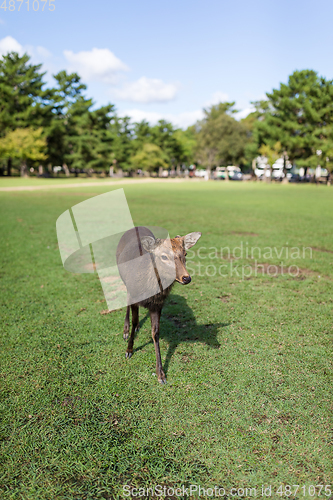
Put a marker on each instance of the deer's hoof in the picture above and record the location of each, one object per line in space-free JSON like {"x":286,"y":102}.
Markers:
{"x":162,"y":380}
{"x":125,"y":335}
{"x":128,"y":355}
{"x":137,"y":329}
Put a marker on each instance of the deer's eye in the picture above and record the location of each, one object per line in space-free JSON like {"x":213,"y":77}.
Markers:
{"x":164,"y":257}
{"x":185,"y":254}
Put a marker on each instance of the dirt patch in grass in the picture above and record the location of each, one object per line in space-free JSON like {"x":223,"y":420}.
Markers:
{"x":322,"y":250}
{"x":224,"y":298}
{"x":293,"y":271}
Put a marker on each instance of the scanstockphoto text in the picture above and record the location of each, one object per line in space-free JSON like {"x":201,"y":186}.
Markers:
{"x":226,"y":261}
{"x":263,"y":491}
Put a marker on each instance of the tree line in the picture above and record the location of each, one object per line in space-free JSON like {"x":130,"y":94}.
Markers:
{"x":60,"y":126}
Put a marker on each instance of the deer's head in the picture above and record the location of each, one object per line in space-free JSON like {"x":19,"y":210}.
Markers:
{"x":170,"y":255}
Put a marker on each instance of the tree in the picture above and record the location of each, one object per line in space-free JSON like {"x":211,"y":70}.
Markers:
{"x":187,"y":144}
{"x":300,"y":116}
{"x":122,"y":133}
{"x":150,"y":158}
{"x":163,"y":135}
{"x":251,"y":150}
{"x":24,"y":144}
{"x":271,"y":155}
{"x":23,"y":102}
{"x":78,"y":136}
{"x":141,"y":135}
{"x":62,"y":127}
{"x":220,"y":137}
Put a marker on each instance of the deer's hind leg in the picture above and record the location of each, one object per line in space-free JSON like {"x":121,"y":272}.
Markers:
{"x":135,"y":328}
{"x":127,"y":323}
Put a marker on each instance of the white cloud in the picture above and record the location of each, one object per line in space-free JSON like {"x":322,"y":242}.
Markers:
{"x":186,"y":119}
{"x":182,"y":120}
{"x":244,"y":112}
{"x":9,"y":44}
{"x":216,"y":98}
{"x":95,"y":64}
{"x":147,"y":90}
{"x":43,"y":52}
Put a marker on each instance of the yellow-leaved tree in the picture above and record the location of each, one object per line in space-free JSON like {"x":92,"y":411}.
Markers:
{"x":271,"y":154}
{"x":24,"y":144}
{"x":149,"y":158}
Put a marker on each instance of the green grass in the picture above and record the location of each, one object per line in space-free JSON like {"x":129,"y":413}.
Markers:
{"x":248,"y":361}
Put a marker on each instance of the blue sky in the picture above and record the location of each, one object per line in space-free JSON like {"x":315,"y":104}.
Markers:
{"x":169,"y":60}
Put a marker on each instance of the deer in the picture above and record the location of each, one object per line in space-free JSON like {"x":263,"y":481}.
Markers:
{"x":149,"y":281}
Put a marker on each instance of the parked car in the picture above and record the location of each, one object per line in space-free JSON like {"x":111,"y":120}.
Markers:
{"x":220,"y":173}
{"x":292,"y":177}
{"x":235,"y":173}
{"x":200,"y":173}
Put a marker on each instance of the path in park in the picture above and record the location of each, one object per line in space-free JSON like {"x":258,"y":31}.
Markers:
{"x":89,"y":184}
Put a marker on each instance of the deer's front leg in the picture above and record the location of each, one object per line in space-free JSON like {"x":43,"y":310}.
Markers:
{"x":155,"y":331}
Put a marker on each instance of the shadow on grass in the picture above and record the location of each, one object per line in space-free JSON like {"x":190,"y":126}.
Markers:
{"x":179,"y":325}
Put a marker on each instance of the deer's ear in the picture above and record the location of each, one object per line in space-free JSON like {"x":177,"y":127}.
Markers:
{"x":191,"y":239}
{"x":148,"y":243}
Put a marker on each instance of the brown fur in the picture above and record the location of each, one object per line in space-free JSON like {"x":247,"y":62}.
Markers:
{"x":130,"y":247}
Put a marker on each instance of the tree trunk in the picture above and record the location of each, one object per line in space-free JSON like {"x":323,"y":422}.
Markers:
{"x":265,"y":178}
{"x":40,"y":170}
{"x":285,"y":166}
{"x":328,"y":178}
{"x":66,"y":170}
{"x":9,"y":167}
{"x":24,"y":169}
{"x":253,"y":173}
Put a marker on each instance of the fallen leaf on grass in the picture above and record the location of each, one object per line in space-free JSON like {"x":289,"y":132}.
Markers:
{"x":81,"y":310}
{"x":105,"y":311}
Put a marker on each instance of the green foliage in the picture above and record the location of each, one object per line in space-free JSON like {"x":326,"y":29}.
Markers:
{"x":187,"y":141}
{"x":177,"y":145}
{"x":24,"y":144}
{"x":163,"y":135}
{"x":221,"y":139}
{"x":149,"y":158}
{"x":122,"y":136}
{"x":300,"y":116}
{"x":23,"y":102}
{"x":272,"y":154}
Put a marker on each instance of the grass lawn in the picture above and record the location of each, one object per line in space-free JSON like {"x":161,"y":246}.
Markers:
{"x":248,"y":358}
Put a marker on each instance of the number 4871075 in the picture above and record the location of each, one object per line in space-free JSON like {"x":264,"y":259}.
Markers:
{"x":34,"y":4}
